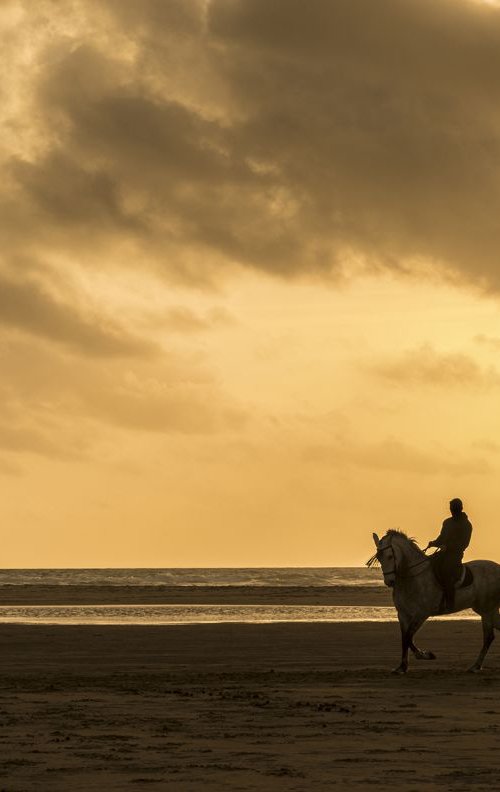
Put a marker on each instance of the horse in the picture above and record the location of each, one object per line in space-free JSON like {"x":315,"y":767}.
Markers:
{"x":418,"y":595}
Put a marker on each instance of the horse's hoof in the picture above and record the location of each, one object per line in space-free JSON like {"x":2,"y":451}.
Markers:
{"x":425,"y":656}
{"x":400,"y":671}
{"x":474,"y":669}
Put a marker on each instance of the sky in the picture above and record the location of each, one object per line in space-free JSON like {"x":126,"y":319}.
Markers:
{"x":249,"y":279}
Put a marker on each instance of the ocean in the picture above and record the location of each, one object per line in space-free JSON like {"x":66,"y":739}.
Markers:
{"x":252,"y":578}
{"x":221,"y":576}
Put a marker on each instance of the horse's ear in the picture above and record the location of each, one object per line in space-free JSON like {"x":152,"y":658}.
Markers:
{"x":376,"y":539}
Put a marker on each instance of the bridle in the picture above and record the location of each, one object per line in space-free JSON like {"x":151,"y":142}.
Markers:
{"x":394,"y":571}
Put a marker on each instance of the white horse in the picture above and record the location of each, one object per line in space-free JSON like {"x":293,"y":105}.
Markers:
{"x":417,"y":594}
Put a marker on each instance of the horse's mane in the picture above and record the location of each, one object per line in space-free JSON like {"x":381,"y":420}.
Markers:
{"x":394,"y":532}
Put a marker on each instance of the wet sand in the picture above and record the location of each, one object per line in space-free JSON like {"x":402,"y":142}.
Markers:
{"x":245,"y":707}
{"x":194,"y":595}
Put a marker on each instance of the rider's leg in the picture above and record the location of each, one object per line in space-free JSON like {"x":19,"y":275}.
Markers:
{"x":451,"y":568}
{"x":449,"y":594}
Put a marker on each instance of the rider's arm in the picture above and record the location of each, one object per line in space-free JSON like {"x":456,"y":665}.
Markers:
{"x":440,"y":541}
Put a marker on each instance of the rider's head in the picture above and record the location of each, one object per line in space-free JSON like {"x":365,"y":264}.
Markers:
{"x":456,"y":506}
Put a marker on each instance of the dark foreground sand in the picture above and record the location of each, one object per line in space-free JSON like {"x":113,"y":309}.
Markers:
{"x":244,"y":707}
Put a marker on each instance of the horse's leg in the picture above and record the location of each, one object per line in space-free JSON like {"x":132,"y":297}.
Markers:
{"x":408,"y":630}
{"x":421,"y":654}
{"x":489,"y":620}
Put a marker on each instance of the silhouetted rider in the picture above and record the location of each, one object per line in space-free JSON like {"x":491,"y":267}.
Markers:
{"x":452,"y":541}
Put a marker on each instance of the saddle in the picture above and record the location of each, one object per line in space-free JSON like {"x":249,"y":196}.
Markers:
{"x":464,"y":579}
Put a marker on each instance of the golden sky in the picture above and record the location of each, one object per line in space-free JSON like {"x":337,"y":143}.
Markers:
{"x":249,"y":278}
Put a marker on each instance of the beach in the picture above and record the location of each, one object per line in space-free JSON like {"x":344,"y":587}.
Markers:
{"x":244,"y":707}
{"x":194,"y":595}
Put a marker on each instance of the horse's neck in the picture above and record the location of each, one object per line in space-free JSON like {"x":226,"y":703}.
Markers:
{"x":416,"y":576}
{"x":416,"y":583}
{"x":411,"y":554}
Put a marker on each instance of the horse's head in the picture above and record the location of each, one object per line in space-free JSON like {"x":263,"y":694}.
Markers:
{"x":386,"y":557}
{"x":394,"y":551}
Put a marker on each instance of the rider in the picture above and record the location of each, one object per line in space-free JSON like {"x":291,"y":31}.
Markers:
{"x":453,"y":540}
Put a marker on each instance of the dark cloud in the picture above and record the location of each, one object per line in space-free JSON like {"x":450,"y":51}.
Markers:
{"x":157,"y":17}
{"x":63,"y":192}
{"x":380,"y":116}
{"x":129,"y":165}
{"x":425,"y":366}
{"x":303,"y":138}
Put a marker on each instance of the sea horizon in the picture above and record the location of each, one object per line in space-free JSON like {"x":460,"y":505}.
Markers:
{"x":192,"y":576}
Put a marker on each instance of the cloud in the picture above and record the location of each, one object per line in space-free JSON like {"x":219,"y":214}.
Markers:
{"x":300,"y":140}
{"x":184,"y":409}
{"x":488,"y":446}
{"x":488,"y":341}
{"x":193,"y":139}
{"x":183,"y":320}
{"x":57,"y":408}
{"x":366,"y":110}
{"x":393,"y":455}
{"x":425,"y":366}
{"x":21,"y":438}
{"x":7,"y":468}
{"x":29,"y":307}
{"x":32,"y":424}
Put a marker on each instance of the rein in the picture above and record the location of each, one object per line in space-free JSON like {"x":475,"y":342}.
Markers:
{"x":395,"y":571}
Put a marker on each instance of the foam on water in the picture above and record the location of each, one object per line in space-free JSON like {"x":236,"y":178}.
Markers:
{"x":262,"y":576}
